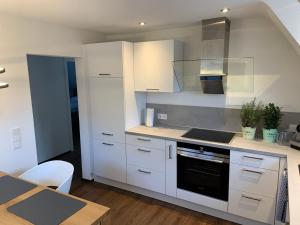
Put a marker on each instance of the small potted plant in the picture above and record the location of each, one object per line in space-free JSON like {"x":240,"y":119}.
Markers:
{"x":272,"y":117}
{"x":250,"y":116}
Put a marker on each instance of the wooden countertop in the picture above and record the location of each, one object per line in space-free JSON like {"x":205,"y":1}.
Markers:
{"x":91,"y":214}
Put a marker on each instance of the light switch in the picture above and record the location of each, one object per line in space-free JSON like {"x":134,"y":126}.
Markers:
{"x":16,"y":138}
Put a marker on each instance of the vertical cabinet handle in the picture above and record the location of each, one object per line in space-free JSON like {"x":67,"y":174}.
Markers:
{"x":170,"y":152}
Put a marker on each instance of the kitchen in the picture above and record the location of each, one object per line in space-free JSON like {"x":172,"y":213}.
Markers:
{"x":161,"y":78}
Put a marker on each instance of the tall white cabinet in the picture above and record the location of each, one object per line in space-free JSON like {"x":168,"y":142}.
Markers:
{"x":153,"y":66}
{"x":109,"y":68}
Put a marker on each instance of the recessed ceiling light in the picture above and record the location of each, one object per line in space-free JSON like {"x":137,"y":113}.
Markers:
{"x":2,"y":70}
{"x":142,"y":23}
{"x":225,"y":10}
{"x":3,"y":85}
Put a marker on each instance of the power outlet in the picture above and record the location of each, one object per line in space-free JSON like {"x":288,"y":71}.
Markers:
{"x":162,"y":116}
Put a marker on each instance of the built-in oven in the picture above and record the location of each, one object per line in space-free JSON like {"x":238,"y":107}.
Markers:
{"x":203,"y":170}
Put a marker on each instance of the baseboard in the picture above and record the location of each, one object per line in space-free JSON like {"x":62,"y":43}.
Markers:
{"x":179,"y":202}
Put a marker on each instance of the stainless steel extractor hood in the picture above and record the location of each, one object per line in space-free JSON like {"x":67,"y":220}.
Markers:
{"x":214,"y":54}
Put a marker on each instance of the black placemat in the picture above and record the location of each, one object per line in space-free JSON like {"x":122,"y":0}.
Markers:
{"x":11,"y":188}
{"x":47,"y":208}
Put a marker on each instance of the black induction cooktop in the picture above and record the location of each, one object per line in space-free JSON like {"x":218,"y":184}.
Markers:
{"x":209,"y":135}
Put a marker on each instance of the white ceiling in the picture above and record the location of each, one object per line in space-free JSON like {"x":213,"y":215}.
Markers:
{"x":118,"y":16}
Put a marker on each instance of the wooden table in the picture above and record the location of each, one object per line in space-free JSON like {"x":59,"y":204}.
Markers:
{"x":91,"y":214}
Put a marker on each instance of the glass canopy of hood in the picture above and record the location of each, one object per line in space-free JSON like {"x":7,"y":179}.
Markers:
{"x":237,"y":74}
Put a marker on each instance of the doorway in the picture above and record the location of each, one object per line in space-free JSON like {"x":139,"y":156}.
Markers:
{"x":53,"y":89}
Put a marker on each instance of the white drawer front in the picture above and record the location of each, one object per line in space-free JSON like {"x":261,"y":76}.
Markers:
{"x":146,"y":157}
{"x":253,"y":180}
{"x":110,"y":136}
{"x":146,"y":178}
{"x":254,"y":160}
{"x":110,"y":160}
{"x":252,"y":206}
{"x":202,"y":200}
{"x":147,"y":142}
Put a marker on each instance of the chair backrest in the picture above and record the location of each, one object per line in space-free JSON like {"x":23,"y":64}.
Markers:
{"x":53,"y":173}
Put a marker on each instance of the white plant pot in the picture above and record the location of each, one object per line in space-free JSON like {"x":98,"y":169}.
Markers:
{"x":249,"y":132}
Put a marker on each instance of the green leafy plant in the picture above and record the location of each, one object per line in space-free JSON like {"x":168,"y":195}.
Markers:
{"x":272,"y":116}
{"x":251,"y":113}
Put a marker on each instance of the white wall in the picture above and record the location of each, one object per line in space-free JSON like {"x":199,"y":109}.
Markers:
{"x":276,"y":63}
{"x":18,"y":37}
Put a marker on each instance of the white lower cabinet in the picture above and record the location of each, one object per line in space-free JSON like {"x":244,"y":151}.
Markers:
{"x":147,"y":157}
{"x":256,"y":181}
{"x":110,"y":160}
{"x":253,"y":186}
{"x":202,"y":200}
{"x":252,"y":206}
{"x":146,"y":178}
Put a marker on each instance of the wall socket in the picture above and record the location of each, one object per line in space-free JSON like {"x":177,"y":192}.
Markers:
{"x":162,"y":116}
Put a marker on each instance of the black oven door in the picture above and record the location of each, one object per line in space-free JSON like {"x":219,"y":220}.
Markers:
{"x":203,"y":176}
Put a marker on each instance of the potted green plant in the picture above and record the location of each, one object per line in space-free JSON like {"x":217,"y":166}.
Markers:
{"x":272,"y":117}
{"x":250,"y":116}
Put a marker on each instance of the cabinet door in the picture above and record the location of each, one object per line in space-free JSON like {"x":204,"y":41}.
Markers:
{"x":171,"y":168}
{"x":105,"y":59}
{"x":153,"y":69}
{"x":107,"y":109}
{"x":110,"y":160}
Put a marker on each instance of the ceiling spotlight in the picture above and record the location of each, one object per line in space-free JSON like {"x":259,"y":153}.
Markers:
{"x":225,"y":10}
{"x":142,"y":23}
{"x":2,"y":70}
{"x":3,"y":85}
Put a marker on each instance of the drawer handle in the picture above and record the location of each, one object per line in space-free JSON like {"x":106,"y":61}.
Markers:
{"x":251,"y":198}
{"x":144,"y":139}
{"x":143,"y":150}
{"x":170,"y":152}
{"x":152,"y":89}
{"x":104,"y":74}
{"x":252,"y":171}
{"x":107,"y":134}
{"x":251,"y":157}
{"x":108,"y":144}
{"x":144,"y":171}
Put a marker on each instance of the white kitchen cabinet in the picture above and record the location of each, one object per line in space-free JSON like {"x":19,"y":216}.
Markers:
{"x":104,"y":59}
{"x":146,"y":178}
{"x":113,"y":105}
{"x":153,"y":66}
{"x":253,"y":186}
{"x":171,"y":168}
{"x":254,"y":160}
{"x":252,"y":206}
{"x":257,"y":181}
{"x":110,"y":160}
{"x":107,"y":109}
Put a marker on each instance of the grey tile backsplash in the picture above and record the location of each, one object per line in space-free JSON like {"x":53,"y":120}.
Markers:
{"x":208,"y":117}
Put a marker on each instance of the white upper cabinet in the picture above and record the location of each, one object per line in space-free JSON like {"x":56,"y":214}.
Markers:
{"x":107,"y":109}
{"x":153,"y":66}
{"x":104,"y":59}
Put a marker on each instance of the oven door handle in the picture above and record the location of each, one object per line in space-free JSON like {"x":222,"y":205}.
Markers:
{"x":194,"y":156}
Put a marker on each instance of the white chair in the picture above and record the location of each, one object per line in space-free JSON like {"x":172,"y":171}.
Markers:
{"x":54,"y":173}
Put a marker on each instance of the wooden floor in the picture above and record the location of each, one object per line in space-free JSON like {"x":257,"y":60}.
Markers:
{"x":132,"y":209}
